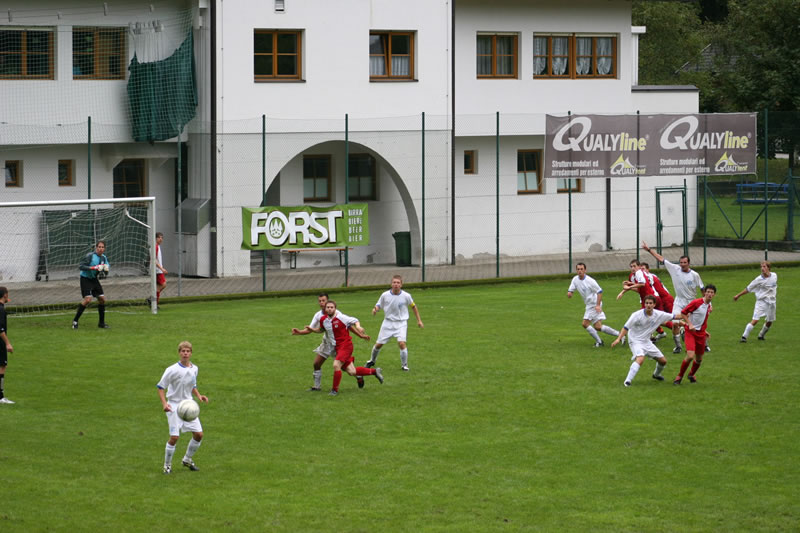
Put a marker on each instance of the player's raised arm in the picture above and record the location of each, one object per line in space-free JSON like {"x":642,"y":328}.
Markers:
{"x":655,"y":254}
{"x":305,"y":331}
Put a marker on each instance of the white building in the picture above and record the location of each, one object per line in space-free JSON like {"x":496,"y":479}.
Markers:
{"x":305,"y":65}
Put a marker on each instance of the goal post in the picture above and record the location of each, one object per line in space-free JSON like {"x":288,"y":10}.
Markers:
{"x":45,"y":241}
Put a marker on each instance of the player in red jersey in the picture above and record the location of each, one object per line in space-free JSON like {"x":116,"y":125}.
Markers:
{"x":340,"y":325}
{"x":639,"y":280}
{"x":695,"y":335}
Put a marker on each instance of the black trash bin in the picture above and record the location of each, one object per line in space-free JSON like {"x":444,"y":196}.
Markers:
{"x":402,"y":247}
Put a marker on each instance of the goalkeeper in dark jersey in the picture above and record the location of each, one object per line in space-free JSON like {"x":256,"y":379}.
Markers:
{"x":94,"y":264}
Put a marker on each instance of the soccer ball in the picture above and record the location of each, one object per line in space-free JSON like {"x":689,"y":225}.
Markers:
{"x":188,"y":410}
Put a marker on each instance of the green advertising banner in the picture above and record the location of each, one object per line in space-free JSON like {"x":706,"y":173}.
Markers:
{"x":268,"y":228}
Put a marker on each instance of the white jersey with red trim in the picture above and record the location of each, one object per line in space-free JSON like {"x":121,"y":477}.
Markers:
{"x":697,"y":312}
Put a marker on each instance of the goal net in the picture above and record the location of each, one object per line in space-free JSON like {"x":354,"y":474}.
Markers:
{"x":44,"y":242}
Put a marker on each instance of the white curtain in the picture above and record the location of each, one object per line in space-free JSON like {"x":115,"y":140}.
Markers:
{"x":560,"y":48}
{"x":539,"y":56}
{"x":401,"y":65}
{"x":604,"y":64}
{"x":484,"y":55}
{"x":584,"y":64}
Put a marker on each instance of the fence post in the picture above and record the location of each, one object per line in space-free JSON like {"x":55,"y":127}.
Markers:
{"x":569,"y":205}
{"x":263,"y":195}
{"x":497,"y":193}
{"x":180,"y":219}
{"x":705,"y":220}
{"x":89,"y":164}
{"x":423,"y":197}
{"x":346,"y":193}
{"x":638,"y":136}
{"x":766,"y":175}
{"x":790,"y":211}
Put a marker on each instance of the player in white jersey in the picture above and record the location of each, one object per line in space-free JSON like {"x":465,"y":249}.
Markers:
{"x":178,"y":383}
{"x":592,"y":295}
{"x":686,"y":283}
{"x":638,"y":328}
{"x":326,"y":348}
{"x":395,"y":303}
{"x":765,"y":287}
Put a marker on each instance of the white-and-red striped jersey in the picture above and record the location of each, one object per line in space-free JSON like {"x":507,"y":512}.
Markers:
{"x":337,"y":325}
{"x":697,"y":311}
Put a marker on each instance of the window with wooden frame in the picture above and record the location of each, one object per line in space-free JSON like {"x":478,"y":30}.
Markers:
{"x":497,"y":55}
{"x":564,"y":184}
{"x":363,"y":177}
{"x":316,"y":178}
{"x":574,"y":56}
{"x":391,"y":55}
{"x":65,"y":174}
{"x":470,"y":162}
{"x":130,"y":179}
{"x":277,"y":55}
{"x":13,"y":172}
{"x":529,"y":176}
{"x":27,"y":54}
{"x":98,"y":53}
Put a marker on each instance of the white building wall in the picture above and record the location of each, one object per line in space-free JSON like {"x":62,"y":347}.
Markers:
{"x":306,"y":115}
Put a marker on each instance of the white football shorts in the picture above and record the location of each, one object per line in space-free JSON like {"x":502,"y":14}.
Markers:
{"x":325,"y":350}
{"x":678,"y":305}
{"x":592,"y":315}
{"x":177,"y":425}
{"x":393,"y":328}
{"x":647,"y":349}
{"x":764,"y":309}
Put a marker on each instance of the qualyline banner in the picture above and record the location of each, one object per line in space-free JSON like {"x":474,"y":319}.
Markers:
{"x":611,"y":146}
{"x":268,"y":228}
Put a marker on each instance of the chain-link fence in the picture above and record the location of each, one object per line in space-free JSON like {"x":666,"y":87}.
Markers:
{"x":441,"y":205}
{"x":756,"y":211}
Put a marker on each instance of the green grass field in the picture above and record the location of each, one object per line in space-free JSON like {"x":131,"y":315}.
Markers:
{"x":508,"y":421}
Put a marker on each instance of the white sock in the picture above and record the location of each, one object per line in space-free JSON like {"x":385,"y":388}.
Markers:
{"x":193,"y":445}
{"x":659,"y":368}
{"x":593,"y":332}
{"x":748,"y":328}
{"x":169,"y":451}
{"x":609,"y":331}
{"x":374,"y":356}
{"x":677,"y":339}
{"x":632,"y":372}
{"x":317,"y":379}
{"x":764,"y":330}
{"x":404,"y":357}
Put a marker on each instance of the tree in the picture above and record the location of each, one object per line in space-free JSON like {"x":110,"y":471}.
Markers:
{"x":674,"y":37}
{"x":758,"y":66}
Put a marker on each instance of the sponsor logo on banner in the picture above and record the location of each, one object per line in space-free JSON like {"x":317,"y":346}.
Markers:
{"x":606,"y":146}
{"x":623,"y":167}
{"x":265,"y":228}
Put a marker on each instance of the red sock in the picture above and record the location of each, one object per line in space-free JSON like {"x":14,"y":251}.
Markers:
{"x":695,"y":366}
{"x":684,"y":366}
{"x":337,"y":378}
{"x":364,"y":371}
{"x":668,"y":324}
{"x":660,"y":329}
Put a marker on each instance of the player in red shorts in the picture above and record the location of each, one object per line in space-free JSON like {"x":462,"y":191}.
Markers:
{"x":340,"y":325}
{"x":640,"y":280}
{"x":695,"y":336}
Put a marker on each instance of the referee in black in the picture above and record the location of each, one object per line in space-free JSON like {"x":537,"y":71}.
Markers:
{"x":94,"y":263}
